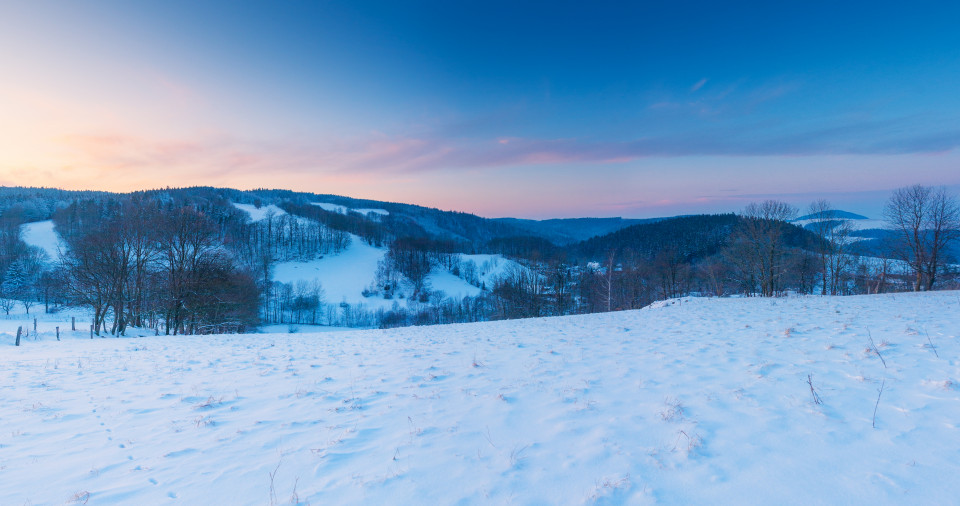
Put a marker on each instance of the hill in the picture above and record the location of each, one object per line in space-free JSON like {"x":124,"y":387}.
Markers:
{"x":565,"y":231}
{"x":687,"y":237}
{"x":835,"y":214}
{"x":690,"y":401}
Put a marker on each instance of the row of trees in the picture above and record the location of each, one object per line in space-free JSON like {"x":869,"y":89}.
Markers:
{"x":141,"y":266}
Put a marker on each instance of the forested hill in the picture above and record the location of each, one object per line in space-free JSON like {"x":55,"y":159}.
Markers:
{"x":398,"y":220}
{"x":377,"y":222}
{"x":689,"y":238}
{"x":571,"y":230}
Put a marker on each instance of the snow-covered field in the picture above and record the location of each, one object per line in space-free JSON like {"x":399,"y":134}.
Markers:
{"x":693,"y":401}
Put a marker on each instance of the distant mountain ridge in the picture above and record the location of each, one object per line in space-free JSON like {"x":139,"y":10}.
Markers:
{"x":835,"y":214}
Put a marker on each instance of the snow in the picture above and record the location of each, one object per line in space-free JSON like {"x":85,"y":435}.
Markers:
{"x":343,"y":276}
{"x":333,"y":208}
{"x":702,"y":401}
{"x":42,"y":234}
{"x":261,"y":213}
{"x":451,"y":286}
{"x":875,"y":264}
{"x":868,"y":224}
{"x":368,"y":212}
{"x":865,"y":224}
{"x":293,"y":328}
{"x":47,"y":323}
{"x":490,"y":267}
{"x":337,"y":208}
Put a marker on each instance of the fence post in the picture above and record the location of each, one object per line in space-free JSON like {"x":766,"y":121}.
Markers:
{"x":73,"y":323}
{"x":91,"y":331}
{"x":19,"y":330}
{"x":34,"y":326}
{"x":58,"y":333}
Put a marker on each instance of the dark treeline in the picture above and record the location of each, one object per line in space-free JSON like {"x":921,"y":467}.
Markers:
{"x":189,"y":261}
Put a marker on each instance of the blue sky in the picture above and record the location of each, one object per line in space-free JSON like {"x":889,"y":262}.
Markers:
{"x":501,"y":108}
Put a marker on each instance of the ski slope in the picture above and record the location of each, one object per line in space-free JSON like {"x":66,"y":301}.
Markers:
{"x":695,"y":401}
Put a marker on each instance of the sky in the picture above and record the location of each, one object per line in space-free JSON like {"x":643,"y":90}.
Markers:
{"x":526,"y":109}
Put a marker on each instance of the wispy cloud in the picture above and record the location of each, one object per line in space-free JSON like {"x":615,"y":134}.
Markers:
{"x":387,"y":154}
{"x":699,"y":84}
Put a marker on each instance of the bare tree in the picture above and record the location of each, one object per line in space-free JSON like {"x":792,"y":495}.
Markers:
{"x":140,"y":236}
{"x":671,"y":272}
{"x":411,"y":256}
{"x":185,"y":239}
{"x":926,"y":220}
{"x":87,"y":284}
{"x":559,"y":278}
{"x":833,"y":233}
{"x":6,"y":301}
{"x":606,"y":282}
{"x":759,"y":242}
{"x":942,"y":228}
{"x":713,"y":272}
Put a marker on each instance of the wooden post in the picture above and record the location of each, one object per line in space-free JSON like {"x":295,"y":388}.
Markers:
{"x":58,"y":333}
{"x":34,"y":326}
{"x":19,"y":330}
{"x":73,"y":323}
{"x":91,"y":331}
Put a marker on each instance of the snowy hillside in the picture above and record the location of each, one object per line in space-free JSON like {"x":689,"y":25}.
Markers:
{"x":344,"y":276}
{"x":41,"y":234}
{"x":260,"y":213}
{"x":490,"y":267}
{"x":695,"y":401}
{"x":337,"y":208}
